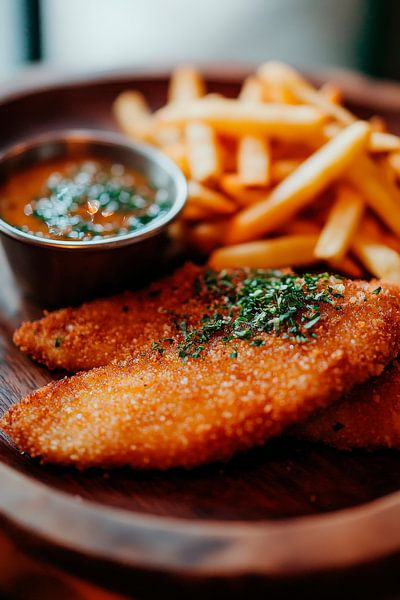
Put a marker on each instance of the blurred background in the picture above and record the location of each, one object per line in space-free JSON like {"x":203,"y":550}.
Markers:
{"x":102,"y":34}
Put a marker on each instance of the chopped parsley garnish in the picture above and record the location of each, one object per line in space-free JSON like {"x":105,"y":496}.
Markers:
{"x":261,"y":302}
{"x":377,"y":290}
{"x":159,"y":347}
{"x":57,"y":342}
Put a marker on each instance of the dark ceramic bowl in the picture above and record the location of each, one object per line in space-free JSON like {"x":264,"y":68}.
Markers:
{"x":59,"y":272}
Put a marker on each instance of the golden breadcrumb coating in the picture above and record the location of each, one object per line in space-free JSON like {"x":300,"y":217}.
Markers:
{"x":367,"y":417}
{"x":156,"y":411}
{"x":91,"y":335}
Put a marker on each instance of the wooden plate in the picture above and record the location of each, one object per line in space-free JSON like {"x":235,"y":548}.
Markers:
{"x":282,"y":518}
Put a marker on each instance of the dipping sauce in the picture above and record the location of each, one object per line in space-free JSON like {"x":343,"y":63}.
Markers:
{"x":80,"y":200}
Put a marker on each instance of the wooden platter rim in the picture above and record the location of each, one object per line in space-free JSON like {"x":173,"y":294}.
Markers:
{"x":353,"y":84}
{"x":282,"y":547}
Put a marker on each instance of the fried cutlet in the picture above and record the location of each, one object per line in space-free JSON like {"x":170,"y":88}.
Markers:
{"x":160,"y":409}
{"x":367,"y":417}
{"x":92,"y":335}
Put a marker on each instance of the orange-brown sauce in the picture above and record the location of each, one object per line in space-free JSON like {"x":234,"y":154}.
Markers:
{"x":80,"y":200}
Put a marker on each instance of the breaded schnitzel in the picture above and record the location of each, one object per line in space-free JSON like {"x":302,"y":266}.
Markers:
{"x":210,"y":392}
{"x":97,"y":332}
{"x":367,"y":417}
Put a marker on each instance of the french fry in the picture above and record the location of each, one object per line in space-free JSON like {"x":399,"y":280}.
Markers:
{"x":378,"y":141}
{"x":133,"y":115}
{"x":305,"y":226}
{"x":300,"y":226}
{"x":194,"y":212}
{"x":254,"y":152}
{"x":343,"y":220}
{"x":384,"y":142}
{"x":203,"y":153}
{"x":233,"y":186}
{"x":166,"y":136}
{"x":231,"y":117}
{"x":331,"y":129}
{"x":378,"y":123}
{"x":346,"y":265}
{"x":394,"y":161}
{"x":379,"y":259}
{"x":208,"y":236}
{"x":254,"y":161}
{"x":185,"y":84}
{"x":378,"y":192}
{"x":331,"y":92}
{"x":302,"y":186}
{"x":261,"y":163}
{"x":280,"y":169}
{"x":209,"y":200}
{"x":178,"y":153}
{"x":252,"y":90}
{"x":295,"y":250}
{"x":278,"y":74}
{"x":373,"y":228}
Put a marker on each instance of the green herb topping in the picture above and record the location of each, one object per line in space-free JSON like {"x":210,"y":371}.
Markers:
{"x":261,"y":302}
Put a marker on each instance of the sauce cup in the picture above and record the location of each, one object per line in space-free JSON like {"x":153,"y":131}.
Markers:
{"x":61,"y":272}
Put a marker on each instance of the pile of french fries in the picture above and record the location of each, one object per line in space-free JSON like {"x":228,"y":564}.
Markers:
{"x":282,"y":175}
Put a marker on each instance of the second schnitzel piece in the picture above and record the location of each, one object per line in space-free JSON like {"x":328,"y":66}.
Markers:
{"x":274,"y":349}
{"x":367,"y":417}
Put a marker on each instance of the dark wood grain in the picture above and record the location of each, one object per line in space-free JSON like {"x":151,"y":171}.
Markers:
{"x":222,"y":519}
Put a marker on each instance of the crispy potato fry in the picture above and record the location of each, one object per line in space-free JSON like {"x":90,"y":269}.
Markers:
{"x":194,"y":212}
{"x":394,"y":161}
{"x":254,"y":152}
{"x":178,"y":153}
{"x":384,"y":142}
{"x":210,"y":200}
{"x":252,"y":90}
{"x":280,"y":169}
{"x":300,"y":226}
{"x":203,"y":152}
{"x":166,"y":136}
{"x":264,"y":163}
{"x":373,"y":228}
{"x":379,"y":259}
{"x":254,"y":161}
{"x":302,"y":186}
{"x":235,"y":118}
{"x":208,"y":236}
{"x":378,"y":123}
{"x":295,"y":250}
{"x":133,"y":115}
{"x":332,"y":92}
{"x":386,"y":169}
{"x":341,"y":225}
{"x":346,"y":265}
{"x":185,"y":84}
{"x":378,"y":142}
{"x":243,"y":195}
{"x":331,"y":129}
{"x":379,"y":194}
{"x":278,"y":74}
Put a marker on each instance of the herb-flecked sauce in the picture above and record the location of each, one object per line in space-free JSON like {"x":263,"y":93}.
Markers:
{"x":80,"y":200}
